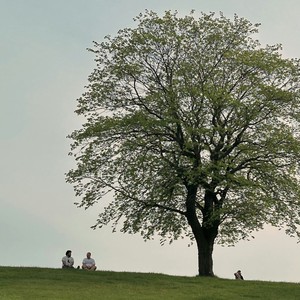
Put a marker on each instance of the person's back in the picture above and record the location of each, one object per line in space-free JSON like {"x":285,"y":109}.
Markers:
{"x":238,"y":275}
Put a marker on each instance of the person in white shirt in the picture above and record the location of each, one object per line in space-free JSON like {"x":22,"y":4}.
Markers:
{"x":88,"y":263}
{"x":68,"y":261}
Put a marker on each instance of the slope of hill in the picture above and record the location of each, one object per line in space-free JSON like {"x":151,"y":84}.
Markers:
{"x":41,"y":283}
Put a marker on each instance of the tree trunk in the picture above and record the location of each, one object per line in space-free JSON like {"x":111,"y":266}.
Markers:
{"x":204,"y":234}
{"x":205,"y":251}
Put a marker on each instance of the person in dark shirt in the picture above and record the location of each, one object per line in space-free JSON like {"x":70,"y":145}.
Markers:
{"x":238,"y":275}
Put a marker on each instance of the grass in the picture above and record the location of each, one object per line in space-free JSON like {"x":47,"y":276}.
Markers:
{"x":39,"y":283}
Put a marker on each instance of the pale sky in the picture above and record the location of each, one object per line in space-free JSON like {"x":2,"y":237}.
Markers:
{"x":44,"y":68}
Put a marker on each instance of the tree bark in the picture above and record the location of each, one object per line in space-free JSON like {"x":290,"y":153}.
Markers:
{"x":205,"y":251}
{"x":204,"y":234}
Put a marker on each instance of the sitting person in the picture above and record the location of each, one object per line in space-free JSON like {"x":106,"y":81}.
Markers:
{"x":68,"y":261}
{"x":238,"y":275}
{"x":88,"y":263}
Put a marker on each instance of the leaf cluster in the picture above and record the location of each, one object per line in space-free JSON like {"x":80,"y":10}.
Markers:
{"x":185,"y":101}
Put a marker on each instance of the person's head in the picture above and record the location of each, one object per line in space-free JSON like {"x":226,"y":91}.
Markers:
{"x":68,"y":253}
{"x":88,"y":255}
{"x":239,"y":271}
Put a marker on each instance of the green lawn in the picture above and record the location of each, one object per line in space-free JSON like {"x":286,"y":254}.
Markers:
{"x":39,"y":283}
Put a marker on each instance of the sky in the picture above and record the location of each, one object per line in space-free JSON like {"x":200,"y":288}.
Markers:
{"x":44,"y":67}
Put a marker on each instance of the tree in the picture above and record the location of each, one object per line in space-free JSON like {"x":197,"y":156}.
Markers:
{"x":194,"y":127}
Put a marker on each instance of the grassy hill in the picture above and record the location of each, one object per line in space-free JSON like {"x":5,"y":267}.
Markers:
{"x":40,"y":283}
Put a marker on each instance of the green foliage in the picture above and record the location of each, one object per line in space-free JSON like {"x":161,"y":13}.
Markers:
{"x":181,"y":102}
{"x":37,"y":283}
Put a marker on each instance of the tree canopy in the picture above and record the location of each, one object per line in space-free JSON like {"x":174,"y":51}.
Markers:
{"x":194,"y":127}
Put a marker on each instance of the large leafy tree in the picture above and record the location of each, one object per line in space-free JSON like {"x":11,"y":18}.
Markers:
{"x":194,"y":127}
